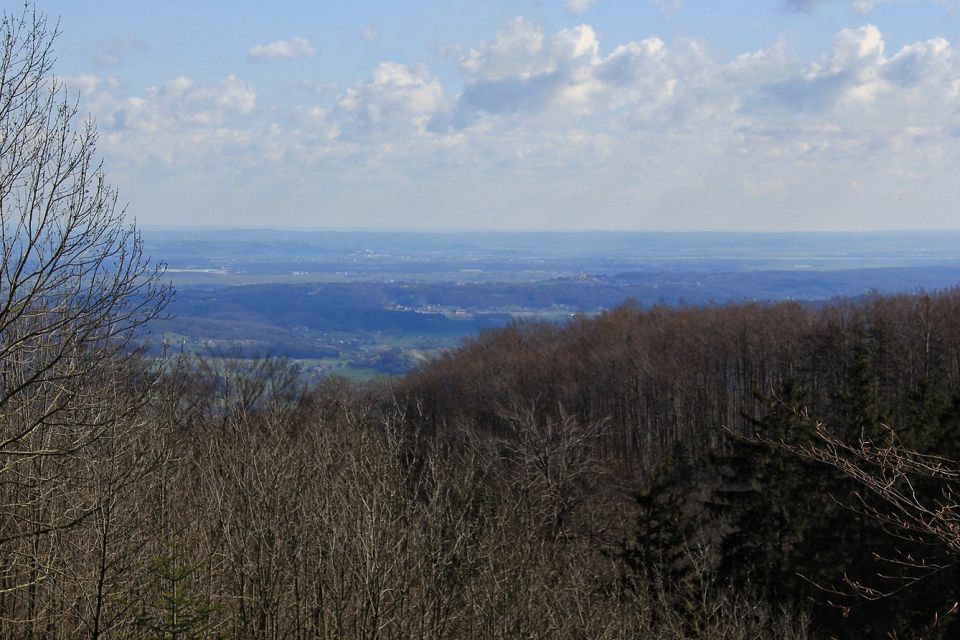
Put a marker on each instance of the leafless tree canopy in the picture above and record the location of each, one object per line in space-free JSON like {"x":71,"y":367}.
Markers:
{"x":74,"y":288}
{"x":74,"y":283}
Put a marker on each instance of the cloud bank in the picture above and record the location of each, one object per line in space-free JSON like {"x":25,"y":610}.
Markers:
{"x":556,"y":129}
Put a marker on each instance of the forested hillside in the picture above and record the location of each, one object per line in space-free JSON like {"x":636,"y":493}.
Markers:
{"x":663,"y":376}
{"x":541,"y":481}
{"x":688,"y":405}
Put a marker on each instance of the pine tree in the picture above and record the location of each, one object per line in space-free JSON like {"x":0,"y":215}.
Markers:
{"x":667,"y":523}
{"x":765,"y":498}
{"x":175,"y":612}
{"x":859,"y":414}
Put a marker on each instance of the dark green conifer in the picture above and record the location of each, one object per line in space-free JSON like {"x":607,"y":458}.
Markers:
{"x":175,"y":612}
{"x":667,"y":521}
{"x":765,"y":498}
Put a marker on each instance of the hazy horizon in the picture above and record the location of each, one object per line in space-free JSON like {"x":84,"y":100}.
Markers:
{"x":566,"y":231}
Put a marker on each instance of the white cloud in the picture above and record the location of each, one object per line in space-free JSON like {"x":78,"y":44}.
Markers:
{"x":562,"y":79}
{"x":184,"y":101}
{"x":516,"y":51}
{"x":853,"y":47}
{"x":857,"y":73}
{"x":178,"y":121}
{"x":524,"y":71}
{"x":87,"y":84}
{"x":578,"y":7}
{"x":397,"y":96}
{"x":930,"y":61}
{"x":282,"y":50}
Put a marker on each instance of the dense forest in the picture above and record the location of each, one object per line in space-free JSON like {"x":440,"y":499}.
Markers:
{"x":745,"y":471}
{"x":719,"y":424}
{"x":636,"y":474}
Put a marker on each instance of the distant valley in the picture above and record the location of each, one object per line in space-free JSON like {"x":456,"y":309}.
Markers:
{"x":367,"y":304}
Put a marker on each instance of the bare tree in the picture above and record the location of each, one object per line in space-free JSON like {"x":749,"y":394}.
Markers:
{"x":75,"y":287}
{"x":913,"y":495}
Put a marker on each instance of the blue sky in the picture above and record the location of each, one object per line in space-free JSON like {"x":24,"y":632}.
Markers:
{"x":547,"y":114}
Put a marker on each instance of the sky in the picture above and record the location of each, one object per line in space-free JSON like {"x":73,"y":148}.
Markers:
{"x":549,"y":114}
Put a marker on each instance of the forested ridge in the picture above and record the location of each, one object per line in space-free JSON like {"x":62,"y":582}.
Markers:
{"x":689,"y":405}
{"x":614,"y":477}
{"x":666,"y":375}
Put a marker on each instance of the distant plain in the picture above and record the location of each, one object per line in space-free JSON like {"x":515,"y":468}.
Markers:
{"x":362,"y":304}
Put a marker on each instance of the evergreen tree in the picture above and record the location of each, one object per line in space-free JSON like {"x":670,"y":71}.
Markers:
{"x":859,"y":413}
{"x":667,"y":523}
{"x":175,"y":613}
{"x":766,"y":499}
